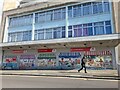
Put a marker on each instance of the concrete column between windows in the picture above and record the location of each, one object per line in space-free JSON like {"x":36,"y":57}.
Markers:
{"x":5,"y":38}
{"x":114,"y":58}
{"x":33,"y":26}
{"x":66,"y":21}
{"x":1,"y":57}
{"x":118,"y":58}
{"x":111,"y":14}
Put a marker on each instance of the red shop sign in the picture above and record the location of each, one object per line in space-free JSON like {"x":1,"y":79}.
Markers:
{"x":18,"y":51}
{"x":80,"y":49}
{"x":46,"y":50}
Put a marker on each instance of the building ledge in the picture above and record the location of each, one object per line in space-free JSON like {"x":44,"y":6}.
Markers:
{"x":115,"y":37}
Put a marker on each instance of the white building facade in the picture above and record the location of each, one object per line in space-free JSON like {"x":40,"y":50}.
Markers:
{"x":57,"y":37}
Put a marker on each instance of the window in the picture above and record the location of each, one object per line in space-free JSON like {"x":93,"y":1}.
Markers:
{"x":76,"y":10}
{"x":36,"y":18}
{"x":100,"y":7}
{"x":108,"y":27}
{"x":39,"y":34}
{"x":87,"y":9}
{"x":57,"y":32}
{"x":20,"y":20}
{"x":26,"y":36}
{"x":99,"y":28}
{"x":70,"y":31}
{"x":19,"y":36}
{"x":48,"y":34}
{"x":77,"y":30}
{"x":41,"y":17}
{"x":85,"y":30}
{"x":70,"y":12}
{"x":106,"y":6}
{"x":63,"y":32}
{"x":97,"y":7}
{"x":63,"y":13}
{"x":57,"y":14}
{"x":49,"y":16}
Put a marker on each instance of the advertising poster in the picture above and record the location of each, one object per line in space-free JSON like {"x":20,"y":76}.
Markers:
{"x":69,"y":60}
{"x":27,"y":62}
{"x":47,"y":61}
{"x":99,"y":60}
{"x":10,"y":62}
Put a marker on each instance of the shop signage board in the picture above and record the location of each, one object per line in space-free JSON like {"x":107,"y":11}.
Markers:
{"x":18,"y":51}
{"x":46,"y":50}
{"x":27,"y":57}
{"x":47,"y":56}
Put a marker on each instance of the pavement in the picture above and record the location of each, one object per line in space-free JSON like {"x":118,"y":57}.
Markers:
{"x":94,"y":74}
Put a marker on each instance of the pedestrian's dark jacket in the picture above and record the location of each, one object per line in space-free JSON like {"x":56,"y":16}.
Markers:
{"x":82,"y":61}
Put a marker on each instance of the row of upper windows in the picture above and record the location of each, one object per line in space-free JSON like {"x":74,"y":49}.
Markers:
{"x":51,"y":33}
{"x":21,"y":20}
{"x":20,"y":36}
{"x":60,"y":14}
{"x":89,"y":29}
{"x":88,"y":8}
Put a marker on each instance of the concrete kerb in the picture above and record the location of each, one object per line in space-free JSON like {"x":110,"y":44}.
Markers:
{"x":69,"y":76}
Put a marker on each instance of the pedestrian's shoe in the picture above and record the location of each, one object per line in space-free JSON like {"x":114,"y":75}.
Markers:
{"x":78,"y":70}
{"x":85,"y":72}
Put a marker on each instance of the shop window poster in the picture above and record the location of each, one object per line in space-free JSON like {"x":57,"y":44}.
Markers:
{"x":47,"y":61}
{"x":27,"y":62}
{"x":10,"y":62}
{"x":69,"y":60}
{"x":101,"y":62}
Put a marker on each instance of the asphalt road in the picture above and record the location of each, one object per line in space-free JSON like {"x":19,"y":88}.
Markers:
{"x":54,"y":82}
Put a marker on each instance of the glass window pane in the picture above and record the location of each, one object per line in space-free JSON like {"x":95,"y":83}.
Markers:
{"x":106,"y":7}
{"x":108,"y":30}
{"x":48,"y":34}
{"x":95,"y":9}
{"x":90,"y":31}
{"x":107,"y":23}
{"x":100,"y":7}
{"x":70,"y":11}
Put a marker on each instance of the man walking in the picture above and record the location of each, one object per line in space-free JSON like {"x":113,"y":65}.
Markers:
{"x":83,"y":61}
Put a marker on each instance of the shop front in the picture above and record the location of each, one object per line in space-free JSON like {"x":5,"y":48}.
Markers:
{"x":59,"y":58}
{"x":97,"y":58}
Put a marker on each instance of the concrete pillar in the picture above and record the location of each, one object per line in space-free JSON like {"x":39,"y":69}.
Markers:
{"x":0,"y":57}
{"x":117,"y":49}
{"x":66,"y":20}
{"x":33,"y":26}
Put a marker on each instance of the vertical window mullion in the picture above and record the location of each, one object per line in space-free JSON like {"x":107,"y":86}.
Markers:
{"x":93,"y":28}
{"x":104,"y":28}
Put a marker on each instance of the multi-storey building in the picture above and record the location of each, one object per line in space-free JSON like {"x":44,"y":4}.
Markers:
{"x":58,"y":35}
